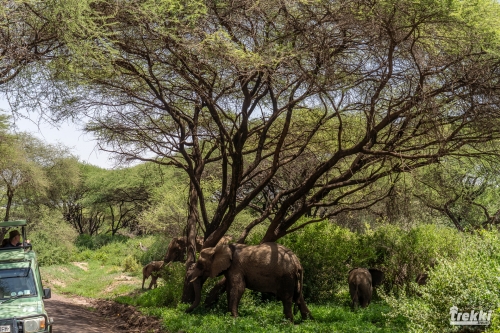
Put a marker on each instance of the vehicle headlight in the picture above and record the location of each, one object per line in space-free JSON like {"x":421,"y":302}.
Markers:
{"x":34,"y":324}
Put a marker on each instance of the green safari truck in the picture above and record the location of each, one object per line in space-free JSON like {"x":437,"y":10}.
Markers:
{"x":21,"y":291}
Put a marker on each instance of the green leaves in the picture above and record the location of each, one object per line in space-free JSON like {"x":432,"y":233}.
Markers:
{"x":468,"y":280}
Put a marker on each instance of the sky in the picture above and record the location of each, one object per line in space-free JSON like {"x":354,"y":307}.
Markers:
{"x":81,"y":144}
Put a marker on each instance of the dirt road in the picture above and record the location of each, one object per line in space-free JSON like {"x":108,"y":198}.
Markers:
{"x":80,"y":315}
{"x":75,"y":315}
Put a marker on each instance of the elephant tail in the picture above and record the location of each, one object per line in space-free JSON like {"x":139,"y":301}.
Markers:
{"x":298,"y":297}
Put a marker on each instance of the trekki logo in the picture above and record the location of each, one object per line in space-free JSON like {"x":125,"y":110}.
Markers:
{"x":469,"y":318}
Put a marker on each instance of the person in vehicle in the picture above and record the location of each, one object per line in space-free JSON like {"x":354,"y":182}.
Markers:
{"x":14,"y":239}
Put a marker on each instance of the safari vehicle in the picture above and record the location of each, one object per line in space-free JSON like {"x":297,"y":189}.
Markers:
{"x":21,"y":292}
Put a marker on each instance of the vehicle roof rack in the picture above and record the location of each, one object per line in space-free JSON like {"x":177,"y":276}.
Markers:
{"x":10,"y":224}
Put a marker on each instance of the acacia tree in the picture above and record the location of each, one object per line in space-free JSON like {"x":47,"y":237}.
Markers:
{"x":20,"y":174}
{"x":334,"y":97}
{"x":463,"y":191}
{"x":28,"y":35}
{"x":120,"y":196}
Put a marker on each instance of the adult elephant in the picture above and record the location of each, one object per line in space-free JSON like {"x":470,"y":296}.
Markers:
{"x":361,"y":284}
{"x":177,"y":249}
{"x":269,"y":267}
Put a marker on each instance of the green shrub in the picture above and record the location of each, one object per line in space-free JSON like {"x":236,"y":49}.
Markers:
{"x":156,"y":249}
{"x":52,"y":240}
{"x":324,"y":251}
{"x":96,"y":242}
{"x":495,"y":322}
{"x":130,"y":264}
{"x":327,"y":253}
{"x":402,"y":255}
{"x":113,"y":253}
{"x":469,"y":281}
{"x":117,"y":250}
{"x":168,"y":293}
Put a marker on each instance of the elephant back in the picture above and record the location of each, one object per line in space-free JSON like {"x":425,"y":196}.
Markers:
{"x":270,"y":257}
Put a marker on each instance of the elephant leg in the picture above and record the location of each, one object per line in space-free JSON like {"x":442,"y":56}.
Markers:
{"x":304,"y":310}
{"x":153,"y":282}
{"x":365,"y":297}
{"x":362,"y":302}
{"x":287,"y":308}
{"x":214,"y":294}
{"x":354,"y":296}
{"x":234,"y":292}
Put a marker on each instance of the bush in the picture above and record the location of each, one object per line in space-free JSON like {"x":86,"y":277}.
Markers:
{"x":157,"y":248}
{"x":130,"y":264}
{"x":327,"y":253}
{"x":470,"y":282}
{"x":495,"y":322}
{"x":402,"y":255}
{"x":97,"y":241}
{"x":118,"y":251}
{"x":168,"y":293}
{"x":52,"y":240}
{"x":324,"y":259}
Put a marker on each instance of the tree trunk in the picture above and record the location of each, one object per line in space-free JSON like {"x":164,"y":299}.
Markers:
{"x":10,"y":196}
{"x":189,"y":290}
{"x":188,"y":294}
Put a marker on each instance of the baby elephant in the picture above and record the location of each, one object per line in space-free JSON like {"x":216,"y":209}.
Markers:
{"x":361,"y":284}
{"x":152,"y":269}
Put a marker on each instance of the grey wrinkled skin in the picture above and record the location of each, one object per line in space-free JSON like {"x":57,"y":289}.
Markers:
{"x":268,"y":267}
{"x":361,"y":283}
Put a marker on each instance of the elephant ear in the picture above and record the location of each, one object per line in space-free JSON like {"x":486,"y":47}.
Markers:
{"x":221,"y":260}
{"x":377,"y":277}
{"x":207,"y":254}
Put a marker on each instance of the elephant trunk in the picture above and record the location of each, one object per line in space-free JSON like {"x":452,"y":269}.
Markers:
{"x":197,"y":284}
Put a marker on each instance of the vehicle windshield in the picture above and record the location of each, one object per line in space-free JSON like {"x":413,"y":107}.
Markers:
{"x":17,"y":282}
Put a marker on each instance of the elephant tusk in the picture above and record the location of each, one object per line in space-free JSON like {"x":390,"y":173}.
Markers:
{"x":193,"y":280}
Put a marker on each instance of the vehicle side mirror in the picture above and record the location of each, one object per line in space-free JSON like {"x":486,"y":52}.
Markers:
{"x":46,"y":293}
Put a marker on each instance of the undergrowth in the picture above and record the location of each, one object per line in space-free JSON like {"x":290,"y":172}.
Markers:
{"x":465,"y":272}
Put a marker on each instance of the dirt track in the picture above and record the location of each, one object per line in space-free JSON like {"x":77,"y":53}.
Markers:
{"x":81,"y":315}
{"x":75,"y":315}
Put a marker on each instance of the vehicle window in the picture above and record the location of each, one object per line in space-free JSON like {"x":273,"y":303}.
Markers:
{"x":17,"y":282}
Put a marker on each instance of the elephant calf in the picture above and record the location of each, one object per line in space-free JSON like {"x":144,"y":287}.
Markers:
{"x":152,"y":269}
{"x":361,"y":284}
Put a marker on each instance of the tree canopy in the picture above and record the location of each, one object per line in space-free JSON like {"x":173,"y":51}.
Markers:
{"x":28,"y":35}
{"x":296,"y":107}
